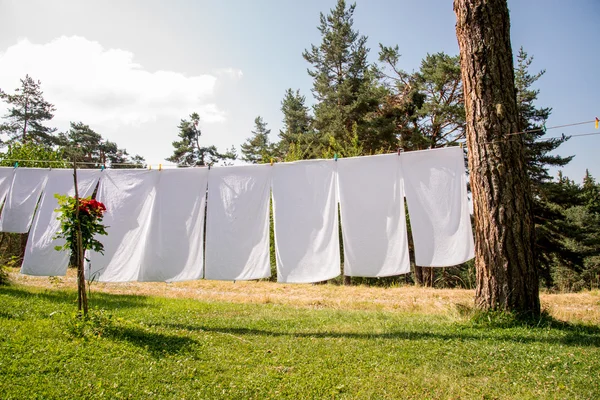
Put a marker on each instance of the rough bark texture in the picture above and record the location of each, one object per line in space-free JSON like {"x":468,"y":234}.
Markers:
{"x":504,"y":232}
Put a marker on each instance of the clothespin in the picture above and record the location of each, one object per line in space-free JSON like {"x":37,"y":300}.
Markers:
{"x":335,"y":157}
{"x":461,"y":145}
{"x":597,"y":121}
{"x":209,"y":167}
{"x":16,"y":164}
{"x":544,"y":128}
{"x":400,"y":150}
{"x":149,"y":166}
{"x":271,"y":162}
{"x":102,"y":168}
{"x":160,"y":167}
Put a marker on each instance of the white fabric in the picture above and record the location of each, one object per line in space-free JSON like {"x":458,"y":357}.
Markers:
{"x":6,"y":177}
{"x":174,"y":245}
{"x":237,"y":223}
{"x":23,"y":196}
{"x":129,"y":198}
{"x":373,"y":216}
{"x":436,"y":193}
{"x":306,"y":221}
{"x":40,"y":256}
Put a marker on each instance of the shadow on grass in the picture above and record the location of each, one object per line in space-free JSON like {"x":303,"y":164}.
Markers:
{"x":157,"y":344}
{"x":568,"y":334}
{"x":101,"y":300}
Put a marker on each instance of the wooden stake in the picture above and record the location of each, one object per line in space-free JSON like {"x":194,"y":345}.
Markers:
{"x":82,"y":302}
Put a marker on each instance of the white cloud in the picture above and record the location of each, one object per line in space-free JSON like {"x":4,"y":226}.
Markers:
{"x":107,"y":87}
{"x":232,"y":73}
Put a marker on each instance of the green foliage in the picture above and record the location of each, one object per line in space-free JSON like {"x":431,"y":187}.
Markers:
{"x":3,"y":275}
{"x":425,"y":107}
{"x":258,"y":149}
{"x":187,"y":151}
{"x":82,"y":144}
{"x":87,"y":217}
{"x":297,"y":124}
{"x":181,"y":348}
{"x":27,"y":114}
{"x":345,"y":84}
{"x":96,"y":324}
{"x":33,"y":156}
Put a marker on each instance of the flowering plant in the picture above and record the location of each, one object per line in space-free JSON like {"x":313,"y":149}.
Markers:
{"x":90,"y":222}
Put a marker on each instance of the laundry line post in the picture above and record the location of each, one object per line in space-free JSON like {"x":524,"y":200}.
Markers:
{"x":82,"y":302}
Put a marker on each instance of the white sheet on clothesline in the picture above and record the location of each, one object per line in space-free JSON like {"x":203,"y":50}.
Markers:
{"x":22,"y":199}
{"x":436,"y":193}
{"x":306,"y":221}
{"x":174,"y":245}
{"x":129,"y":197}
{"x":373,"y":216}
{"x":237,"y":225}
{"x":41,"y":258}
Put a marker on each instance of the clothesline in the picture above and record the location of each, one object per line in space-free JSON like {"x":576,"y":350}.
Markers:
{"x":149,"y":166}
{"x":156,"y":221}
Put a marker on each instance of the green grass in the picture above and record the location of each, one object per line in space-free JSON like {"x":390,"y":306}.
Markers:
{"x":142,"y":347}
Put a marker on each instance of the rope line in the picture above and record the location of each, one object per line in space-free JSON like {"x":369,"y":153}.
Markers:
{"x":545,"y":128}
{"x":563,"y":136}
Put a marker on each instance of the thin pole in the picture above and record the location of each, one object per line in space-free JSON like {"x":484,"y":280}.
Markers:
{"x":81,"y":294}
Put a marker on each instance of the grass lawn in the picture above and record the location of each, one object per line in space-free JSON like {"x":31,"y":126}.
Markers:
{"x":142,"y":346}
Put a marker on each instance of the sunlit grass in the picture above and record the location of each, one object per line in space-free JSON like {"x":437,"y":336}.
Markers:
{"x":148,"y":346}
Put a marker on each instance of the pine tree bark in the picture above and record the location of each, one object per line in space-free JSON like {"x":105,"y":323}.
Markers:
{"x":504,"y":232}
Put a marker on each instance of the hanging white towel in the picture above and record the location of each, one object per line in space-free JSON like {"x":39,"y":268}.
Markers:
{"x":306,"y":221}
{"x":6,"y":177}
{"x":373,"y":216}
{"x":22,"y":199}
{"x":40,"y":256}
{"x":174,"y":246}
{"x":129,"y":198}
{"x":436,"y":193}
{"x":237,"y":225}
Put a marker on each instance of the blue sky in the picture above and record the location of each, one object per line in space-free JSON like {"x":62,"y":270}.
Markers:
{"x":133,"y":69}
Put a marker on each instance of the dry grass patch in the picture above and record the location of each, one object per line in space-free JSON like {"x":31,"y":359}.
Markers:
{"x":584,"y":306}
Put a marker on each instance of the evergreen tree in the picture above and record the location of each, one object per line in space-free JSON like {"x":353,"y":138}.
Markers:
{"x":590,"y":193}
{"x":552,"y":229}
{"x":257,"y":149}
{"x":345,"y":85}
{"x":533,"y":119}
{"x":188,"y":152}
{"x":426,"y":106}
{"x":27,"y":113}
{"x":507,"y":278}
{"x":297,"y":134}
{"x":89,"y":148}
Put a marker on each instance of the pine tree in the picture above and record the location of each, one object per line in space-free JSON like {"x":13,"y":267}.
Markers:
{"x":297,"y":132}
{"x":552,"y":230}
{"x":590,"y":193}
{"x":507,"y":277}
{"x":89,"y":148}
{"x":345,"y":85}
{"x":188,"y":152}
{"x":257,"y":148}
{"x":27,"y":113}
{"x":427,"y":106}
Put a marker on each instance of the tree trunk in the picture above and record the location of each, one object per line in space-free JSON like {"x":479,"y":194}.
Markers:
{"x":504,"y":231}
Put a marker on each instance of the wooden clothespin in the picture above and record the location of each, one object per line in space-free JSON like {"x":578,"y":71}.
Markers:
{"x":160,"y":167}
{"x":597,"y":121}
{"x":271,"y":162}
